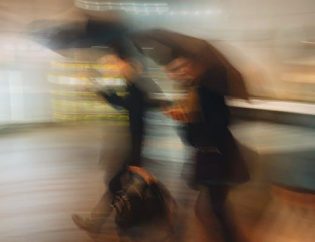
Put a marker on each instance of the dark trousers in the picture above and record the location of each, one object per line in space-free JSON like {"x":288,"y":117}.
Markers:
{"x":136,"y":149}
{"x":133,"y":159}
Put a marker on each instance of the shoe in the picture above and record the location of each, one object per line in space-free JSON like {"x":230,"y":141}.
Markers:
{"x":85,"y":223}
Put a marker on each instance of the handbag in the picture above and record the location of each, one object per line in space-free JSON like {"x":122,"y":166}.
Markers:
{"x":141,"y":200}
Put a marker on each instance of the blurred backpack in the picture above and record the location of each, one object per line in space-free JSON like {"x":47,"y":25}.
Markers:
{"x":141,"y":199}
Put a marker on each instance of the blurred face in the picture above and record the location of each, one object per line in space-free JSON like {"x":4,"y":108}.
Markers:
{"x":184,"y":70}
{"x":113,"y":63}
{"x":127,"y":69}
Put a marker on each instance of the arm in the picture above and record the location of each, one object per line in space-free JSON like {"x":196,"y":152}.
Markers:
{"x":154,"y":97}
{"x":185,"y":110}
{"x":113,"y":98}
{"x":158,"y":103}
{"x":109,"y":95}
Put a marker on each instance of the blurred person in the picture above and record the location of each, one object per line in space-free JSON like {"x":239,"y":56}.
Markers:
{"x":136,"y":101}
{"x":205,"y":118}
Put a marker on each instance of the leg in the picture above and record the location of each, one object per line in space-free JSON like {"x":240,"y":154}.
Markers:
{"x":95,"y":221}
{"x":102,"y":210}
{"x":218,"y":195}
{"x":207,"y":226}
{"x":136,"y":150}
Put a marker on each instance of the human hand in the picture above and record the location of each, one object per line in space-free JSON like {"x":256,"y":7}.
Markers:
{"x":177,"y":113}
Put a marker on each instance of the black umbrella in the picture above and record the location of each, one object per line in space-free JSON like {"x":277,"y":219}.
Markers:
{"x":87,"y":33}
{"x":168,"y":45}
{"x":57,"y":35}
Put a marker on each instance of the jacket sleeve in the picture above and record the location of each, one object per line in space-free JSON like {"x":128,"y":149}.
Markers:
{"x":211,"y":95}
{"x":212,"y":121}
{"x":151,"y":90}
{"x":114,"y":99}
{"x":158,"y":103}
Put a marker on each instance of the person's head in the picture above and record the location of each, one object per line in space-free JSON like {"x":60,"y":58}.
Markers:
{"x":130,"y":56}
{"x":129,"y":68}
{"x":186,"y":70}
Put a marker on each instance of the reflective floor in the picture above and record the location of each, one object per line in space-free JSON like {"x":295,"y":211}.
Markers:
{"x":47,"y":174}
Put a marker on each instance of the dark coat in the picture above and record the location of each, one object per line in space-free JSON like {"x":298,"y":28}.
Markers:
{"x":217,"y":157}
{"x":136,"y":102}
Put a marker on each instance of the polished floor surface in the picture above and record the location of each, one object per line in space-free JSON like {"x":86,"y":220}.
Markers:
{"x":47,"y":174}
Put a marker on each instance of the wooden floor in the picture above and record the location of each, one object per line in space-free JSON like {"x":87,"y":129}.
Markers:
{"x":48,"y":174}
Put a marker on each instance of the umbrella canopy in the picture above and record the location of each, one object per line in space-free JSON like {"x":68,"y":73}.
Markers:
{"x":85,"y":33}
{"x":57,"y":35}
{"x":168,"y":45}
